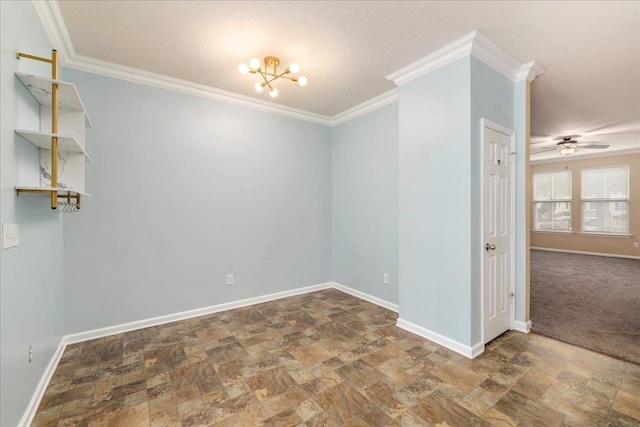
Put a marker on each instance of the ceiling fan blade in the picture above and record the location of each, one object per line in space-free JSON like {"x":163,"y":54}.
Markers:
{"x":593,"y":145}
{"x":544,"y":151}
{"x":541,"y":142}
{"x":561,"y":138}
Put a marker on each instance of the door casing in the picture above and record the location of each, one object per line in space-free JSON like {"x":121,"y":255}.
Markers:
{"x":484,"y":125}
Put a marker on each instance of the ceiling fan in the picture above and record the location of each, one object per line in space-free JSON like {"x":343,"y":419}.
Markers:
{"x":568,"y":145}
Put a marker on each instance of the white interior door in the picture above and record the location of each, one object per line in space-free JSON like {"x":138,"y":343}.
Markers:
{"x":497,"y":229}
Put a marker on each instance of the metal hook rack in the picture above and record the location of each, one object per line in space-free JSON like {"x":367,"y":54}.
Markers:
{"x":68,"y":205}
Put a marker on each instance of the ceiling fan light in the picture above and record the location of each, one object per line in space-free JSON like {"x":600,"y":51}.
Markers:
{"x":243,"y":68}
{"x":565,"y":151}
{"x":254,"y":63}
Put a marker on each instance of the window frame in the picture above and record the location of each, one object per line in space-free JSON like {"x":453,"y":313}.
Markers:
{"x":568,"y":201}
{"x":584,"y":201}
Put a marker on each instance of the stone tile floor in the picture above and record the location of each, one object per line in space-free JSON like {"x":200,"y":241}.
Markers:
{"x":330,"y":359}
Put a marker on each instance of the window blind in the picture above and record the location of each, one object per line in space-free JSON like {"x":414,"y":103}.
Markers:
{"x":552,"y":201}
{"x":605,"y":200}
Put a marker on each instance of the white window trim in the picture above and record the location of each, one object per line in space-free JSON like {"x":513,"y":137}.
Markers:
{"x":553,"y":231}
{"x":534,"y":201}
{"x":582,"y":201}
{"x":598,"y":234}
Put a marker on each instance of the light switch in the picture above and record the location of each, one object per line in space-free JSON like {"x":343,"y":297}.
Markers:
{"x":10,"y":235}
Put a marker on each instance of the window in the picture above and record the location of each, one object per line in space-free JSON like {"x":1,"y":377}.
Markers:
{"x":605,"y":200}
{"x":552,"y":201}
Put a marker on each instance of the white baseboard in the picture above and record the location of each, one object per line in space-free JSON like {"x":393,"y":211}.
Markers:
{"x":535,"y":248}
{"x":32,"y":407}
{"x":168,"y":318}
{"x":452,"y":345}
{"x":524,"y":327}
{"x":477,"y":350}
{"x":375,"y":300}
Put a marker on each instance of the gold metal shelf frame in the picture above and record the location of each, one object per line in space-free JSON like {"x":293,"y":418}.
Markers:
{"x":54,"y":139}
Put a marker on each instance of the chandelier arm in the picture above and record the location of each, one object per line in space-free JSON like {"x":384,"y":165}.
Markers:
{"x":277,"y":76}
{"x":265,"y":80}
{"x":295,"y":79}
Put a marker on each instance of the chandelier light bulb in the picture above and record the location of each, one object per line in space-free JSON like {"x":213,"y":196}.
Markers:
{"x":259,"y":87}
{"x":294,"y":68}
{"x":243,"y":68}
{"x":302,"y":80}
{"x":273,"y":92}
{"x":254,"y":63}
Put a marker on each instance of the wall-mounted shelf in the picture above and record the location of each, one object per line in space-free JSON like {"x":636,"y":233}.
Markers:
{"x":43,"y":140}
{"x":61,"y":191}
{"x":62,"y":155}
{"x":68,"y":97}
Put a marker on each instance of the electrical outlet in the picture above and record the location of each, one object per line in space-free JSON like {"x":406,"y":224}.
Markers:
{"x":385,"y":278}
{"x":30,"y":353}
{"x":10,"y":235}
{"x":229,"y":279}
{"x":636,"y":244}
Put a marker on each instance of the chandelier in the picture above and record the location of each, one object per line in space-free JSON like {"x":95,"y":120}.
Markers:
{"x":270,"y":73}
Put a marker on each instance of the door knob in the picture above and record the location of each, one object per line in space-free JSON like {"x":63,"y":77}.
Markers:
{"x":489,"y":247}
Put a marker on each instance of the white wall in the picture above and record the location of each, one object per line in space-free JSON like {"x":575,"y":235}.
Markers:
{"x":31,"y":294}
{"x":188,"y":190}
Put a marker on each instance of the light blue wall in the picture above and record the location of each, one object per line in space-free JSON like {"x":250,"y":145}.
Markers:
{"x":441,"y":195}
{"x":491,"y":98}
{"x":365,"y":203}
{"x":188,"y":190}
{"x":31,"y":294}
{"x":521,"y":111}
{"x":435,"y":201}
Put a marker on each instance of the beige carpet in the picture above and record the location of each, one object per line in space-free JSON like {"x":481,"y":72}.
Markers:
{"x":589,"y":301}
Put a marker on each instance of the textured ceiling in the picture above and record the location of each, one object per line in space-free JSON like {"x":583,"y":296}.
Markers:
{"x":591,"y":50}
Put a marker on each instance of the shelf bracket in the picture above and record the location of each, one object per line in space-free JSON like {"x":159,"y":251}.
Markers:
{"x":20,"y":55}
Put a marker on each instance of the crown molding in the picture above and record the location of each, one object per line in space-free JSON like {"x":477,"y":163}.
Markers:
{"x":574,"y":157}
{"x":483,"y":48}
{"x":530,"y":71}
{"x":97,"y":66}
{"x":55,"y":27}
{"x":53,"y":23}
{"x":441,"y":57}
{"x":476,"y":44}
{"x":365,"y":107}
